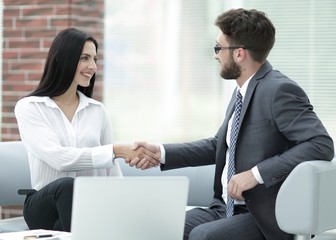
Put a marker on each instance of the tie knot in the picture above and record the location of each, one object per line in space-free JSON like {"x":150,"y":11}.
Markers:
{"x":239,"y":96}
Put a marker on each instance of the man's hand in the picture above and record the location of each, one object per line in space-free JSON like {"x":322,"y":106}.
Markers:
{"x":140,"y":155}
{"x":241,"y":182}
{"x":143,"y":163}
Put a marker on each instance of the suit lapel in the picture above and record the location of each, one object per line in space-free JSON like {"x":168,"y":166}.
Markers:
{"x":222,"y":135}
{"x":230,"y":108}
{"x":260,"y":74}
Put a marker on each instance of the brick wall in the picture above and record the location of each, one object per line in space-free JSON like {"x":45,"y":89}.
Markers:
{"x":28,"y":30}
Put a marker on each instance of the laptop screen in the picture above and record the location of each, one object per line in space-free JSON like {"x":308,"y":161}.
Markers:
{"x":129,"y":208}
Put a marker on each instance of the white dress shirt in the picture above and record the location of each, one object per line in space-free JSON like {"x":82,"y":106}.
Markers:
{"x":255,"y":170}
{"x":228,"y":135}
{"x":59,"y":148}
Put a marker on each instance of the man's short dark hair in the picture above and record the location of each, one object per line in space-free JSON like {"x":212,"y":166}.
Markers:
{"x":250,"y":29}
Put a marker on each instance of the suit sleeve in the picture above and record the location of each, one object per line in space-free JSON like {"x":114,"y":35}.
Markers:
{"x":197,"y":153}
{"x":307,"y":137}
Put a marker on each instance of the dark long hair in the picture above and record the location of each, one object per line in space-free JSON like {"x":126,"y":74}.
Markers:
{"x":61,"y":64}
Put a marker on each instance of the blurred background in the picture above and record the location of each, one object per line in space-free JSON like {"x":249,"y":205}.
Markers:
{"x":157,"y":75}
{"x":161,"y":82}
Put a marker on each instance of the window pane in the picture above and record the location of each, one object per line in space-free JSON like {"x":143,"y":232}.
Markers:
{"x":162,"y":82}
{"x":304,"y":49}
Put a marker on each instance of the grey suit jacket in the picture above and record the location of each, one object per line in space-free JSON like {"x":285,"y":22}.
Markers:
{"x":278,"y":130}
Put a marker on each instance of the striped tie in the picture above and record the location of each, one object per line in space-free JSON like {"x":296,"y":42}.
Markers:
{"x":232,"y":150}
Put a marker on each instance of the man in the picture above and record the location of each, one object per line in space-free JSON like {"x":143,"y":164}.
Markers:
{"x":274,"y":130}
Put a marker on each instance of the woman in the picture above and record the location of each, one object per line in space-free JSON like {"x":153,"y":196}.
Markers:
{"x":66,"y":133}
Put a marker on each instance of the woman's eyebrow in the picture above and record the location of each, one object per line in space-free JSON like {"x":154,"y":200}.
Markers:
{"x":88,"y":55}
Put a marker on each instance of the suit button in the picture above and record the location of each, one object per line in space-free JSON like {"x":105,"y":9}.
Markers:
{"x":274,"y":179}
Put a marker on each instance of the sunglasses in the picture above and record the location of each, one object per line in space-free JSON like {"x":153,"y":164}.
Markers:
{"x":218,"y":48}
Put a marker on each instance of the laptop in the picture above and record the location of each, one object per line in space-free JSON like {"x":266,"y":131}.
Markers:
{"x":129,"y":208}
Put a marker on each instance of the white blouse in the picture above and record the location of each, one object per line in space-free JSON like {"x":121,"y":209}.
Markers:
{"x":58,"y":148}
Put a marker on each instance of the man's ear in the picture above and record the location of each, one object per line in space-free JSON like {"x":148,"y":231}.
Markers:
{"x":240,"y":54}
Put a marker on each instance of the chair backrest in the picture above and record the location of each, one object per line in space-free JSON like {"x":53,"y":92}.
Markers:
{"x":306,"y":202}
{"x":14,"y":172}
{"x":200,"y":178}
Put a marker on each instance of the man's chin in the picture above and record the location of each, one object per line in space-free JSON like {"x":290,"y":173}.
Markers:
{"x":227,"y":77}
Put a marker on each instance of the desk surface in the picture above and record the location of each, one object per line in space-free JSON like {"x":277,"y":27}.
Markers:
{"x":55,"y":235}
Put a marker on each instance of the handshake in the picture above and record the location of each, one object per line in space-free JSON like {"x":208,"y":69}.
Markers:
{"x":142,"y":155}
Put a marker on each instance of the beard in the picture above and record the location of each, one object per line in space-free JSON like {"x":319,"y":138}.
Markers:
{"x":231,"y":70}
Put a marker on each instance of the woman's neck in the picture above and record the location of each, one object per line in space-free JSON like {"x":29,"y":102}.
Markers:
{"x":67,"y":103}
{"x":69,"y":97}
{"x":66,"y":99}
